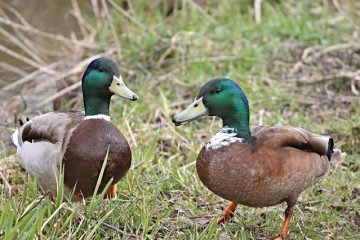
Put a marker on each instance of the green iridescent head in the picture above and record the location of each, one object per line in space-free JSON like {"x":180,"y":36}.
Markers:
{"x":223,"y":98}
{"x":100,"y":81}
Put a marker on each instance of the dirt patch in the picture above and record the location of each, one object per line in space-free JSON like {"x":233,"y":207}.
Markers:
{"x":325,"y":72}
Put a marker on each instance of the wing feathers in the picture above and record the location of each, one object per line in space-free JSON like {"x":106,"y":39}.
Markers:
{"x":299,"y":138}
{"x":49,"y":127}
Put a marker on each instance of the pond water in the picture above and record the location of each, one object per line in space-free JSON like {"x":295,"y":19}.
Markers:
{"x":55,"y":16}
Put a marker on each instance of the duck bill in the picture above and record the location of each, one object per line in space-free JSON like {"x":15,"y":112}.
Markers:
{"x":194,"y":111}
{"x":118,"y":87}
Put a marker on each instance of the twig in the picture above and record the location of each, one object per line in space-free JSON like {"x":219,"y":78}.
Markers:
{"x":79,"y":19}
{"x":201,"y":217}
{"x":318,"y":79}
{"x":321,"y":51}
{"x":13,"y":69}
{"x":28,"y":43}
{"x":139,"y":164}
{"x":57,"y":95}
{"x":108,"y":225}
{"x":22,"y":46}
{"x":201,"y":10}
{"x":29,"y":209}
{"x":131,"y":133}
{"x":205,"y":59}
{"x":78,"y":68}
{"x":52,"y":215}
{"x":167,"y":52}
{"x":59,"y":38}
{"x":118,"y":230}
{"x":311,"y":54}
{"x":26,"y":60}
{"x":353,"y":85}
{"x":261,"y":117}
{"x":27,"y":78}
{"x":105,"y":224}
{"x":257,"y":9}
{"x":113,"y":31}
{"x":7,"y":185}
{"x":82,"y":24}
{"x":95,"y":9}
{"x":337,"y":5}
{"x":128,"y":16}
{"x":187,"y":165}
{"x":187,"y":143}
{"x":16,"y":13}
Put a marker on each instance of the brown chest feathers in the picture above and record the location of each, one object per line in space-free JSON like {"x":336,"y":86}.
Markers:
{"x":86,"y":152}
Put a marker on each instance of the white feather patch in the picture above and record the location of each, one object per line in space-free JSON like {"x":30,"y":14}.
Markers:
{"x":99,"y":116}
{"x":41,"y":160}
{"x":224,"y":137}
{"x":15,"y":138}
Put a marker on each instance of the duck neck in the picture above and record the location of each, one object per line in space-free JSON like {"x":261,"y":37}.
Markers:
{"x":239,"y":126}
{"x":96,"y":105}
{"x":239,"y":122}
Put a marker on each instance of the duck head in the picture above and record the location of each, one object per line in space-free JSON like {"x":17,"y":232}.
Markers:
{"x":223,"y":98}
{"x":100,"y":81}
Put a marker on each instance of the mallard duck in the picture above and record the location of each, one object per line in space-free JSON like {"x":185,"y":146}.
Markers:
{"x":79,"y":140}
{"x":258,"y":167}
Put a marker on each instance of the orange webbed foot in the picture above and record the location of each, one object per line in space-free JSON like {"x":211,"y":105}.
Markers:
{"x":288,"y":214}
{"x":227,"y":214}
{"x":111,"y":192}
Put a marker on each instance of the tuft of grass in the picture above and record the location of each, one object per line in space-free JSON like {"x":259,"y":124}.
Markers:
{"x":168,"y":50}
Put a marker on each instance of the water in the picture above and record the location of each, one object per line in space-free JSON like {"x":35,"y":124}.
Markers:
{"x":49,"y":16}
{"x":55,"y":17}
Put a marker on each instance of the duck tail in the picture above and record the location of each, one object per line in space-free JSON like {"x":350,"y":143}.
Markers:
{"x":337,"y":156}
{"x":15,"y":138}
{"x":15,"y":135}
{"x":330,"y":149}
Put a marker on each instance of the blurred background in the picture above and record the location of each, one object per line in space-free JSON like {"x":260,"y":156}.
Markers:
{"x":297,"y":61}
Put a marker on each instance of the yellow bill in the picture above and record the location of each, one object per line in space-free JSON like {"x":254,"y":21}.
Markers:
{"x":194,"y":111}
{"x":118,"y":87}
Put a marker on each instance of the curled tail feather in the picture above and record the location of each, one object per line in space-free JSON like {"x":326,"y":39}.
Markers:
{"x":336,"y":157}
{"x":15,"y":138}
{"x":330,"y":149}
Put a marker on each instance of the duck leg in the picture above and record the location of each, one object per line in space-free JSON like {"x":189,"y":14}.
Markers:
{"x":288,"y":214}
{"x":111,"y":192}
{"x":228,"y":212}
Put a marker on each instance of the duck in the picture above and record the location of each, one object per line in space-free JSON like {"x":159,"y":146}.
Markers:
{"x":260,"y":166}
{"x":78,"y":142}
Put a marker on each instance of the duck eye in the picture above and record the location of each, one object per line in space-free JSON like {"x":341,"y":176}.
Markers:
{"x":218,"y":90}
{"x":100,"y":70}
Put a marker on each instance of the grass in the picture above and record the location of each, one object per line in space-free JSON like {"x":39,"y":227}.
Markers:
{"x":167,"y":53}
